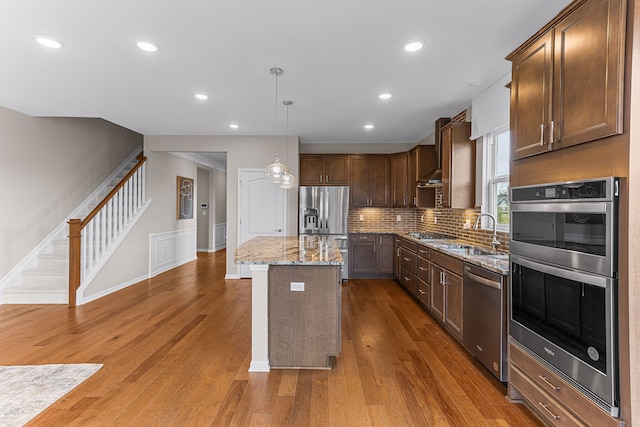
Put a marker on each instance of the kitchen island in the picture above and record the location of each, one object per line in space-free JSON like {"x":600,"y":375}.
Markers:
{"x":295,"y":301}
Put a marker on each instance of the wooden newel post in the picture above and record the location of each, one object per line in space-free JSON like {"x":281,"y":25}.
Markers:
{"x":75,"y":234}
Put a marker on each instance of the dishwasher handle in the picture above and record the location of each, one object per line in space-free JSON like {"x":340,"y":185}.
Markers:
{"x":482,"y":280}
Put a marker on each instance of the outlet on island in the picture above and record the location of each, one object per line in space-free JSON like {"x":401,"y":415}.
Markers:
{"x":398,"y":217}
{"x":466,"y":225}
{"x":297,"y":286}
{"x":361,"y":217}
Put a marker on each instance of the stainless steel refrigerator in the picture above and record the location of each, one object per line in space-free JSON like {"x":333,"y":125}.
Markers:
{"x":325,"y":211}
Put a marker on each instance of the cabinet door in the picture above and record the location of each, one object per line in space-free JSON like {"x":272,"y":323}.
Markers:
{"x":359,"y":181}
{"x":396,"y":257}
{"x":379,"y":178}
{"x":336,"y":169}
{"x":531,"y":75}
{"x":385,"y":254}
{"x":436,"y":302}
{"x":400,"y":179}
{"x":362,"y":257}
{"x":311,"y":169}
{"x":453,"y":303}
{"x":588,"y":74}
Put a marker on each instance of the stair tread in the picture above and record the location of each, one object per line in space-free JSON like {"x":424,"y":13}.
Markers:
{"x":35,"y":289}
{"x":46,"y":272}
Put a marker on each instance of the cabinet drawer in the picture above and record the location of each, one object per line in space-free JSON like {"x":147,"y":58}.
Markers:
{"x":546,"y":407}
{"x":449,"y":263}
{"x":410,"y":245}
{"x":363,"y":237}
{"x":423,"y":269}
{"x":423,"y":292}
{"x":409,"y":280}
{"x":408,"y":260}
{"x":423,"y":252}
{"x":559,"y":389}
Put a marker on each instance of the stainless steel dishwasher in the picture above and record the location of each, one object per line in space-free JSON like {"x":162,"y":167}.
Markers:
{"x":485,"y":318}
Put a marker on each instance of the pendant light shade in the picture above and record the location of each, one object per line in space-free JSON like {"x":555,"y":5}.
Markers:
{"x":275,"y":171}
{"x":288,"y":181}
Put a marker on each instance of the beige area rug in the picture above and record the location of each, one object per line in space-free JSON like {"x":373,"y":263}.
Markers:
{"x":25,"y":391}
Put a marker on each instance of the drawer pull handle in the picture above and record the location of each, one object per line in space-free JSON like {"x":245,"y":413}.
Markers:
{"x":407,"y":259}
{"x":407,"y":279}
{"x":546,"y":381}
{"x":546,"y":408}
{"x":421,"y":291}
{"x":423,"y":251}
{"x":423,"y":269}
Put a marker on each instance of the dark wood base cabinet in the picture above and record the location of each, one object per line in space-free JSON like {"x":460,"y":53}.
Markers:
{"x":371,"y":255}
{"x":554,"y":400}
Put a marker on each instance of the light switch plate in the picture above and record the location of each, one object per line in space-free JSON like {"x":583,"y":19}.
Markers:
{"x":297,"y":286}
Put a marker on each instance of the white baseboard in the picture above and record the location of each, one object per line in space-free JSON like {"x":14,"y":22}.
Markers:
{"x":113,"y":289}
{"x":232,"y":276}
{"x":259,"y":366}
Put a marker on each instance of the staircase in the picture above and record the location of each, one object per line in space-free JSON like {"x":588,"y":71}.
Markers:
{"x":43,"y":276}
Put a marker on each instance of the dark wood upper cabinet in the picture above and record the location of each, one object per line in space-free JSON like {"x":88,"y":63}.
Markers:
{"x":422,"y":162}
{"x":369,"y":180}
{"x":458,"y":166}
{"x":567,"y":81}
{"x":324,"y":169}
{"x":400,"y":180}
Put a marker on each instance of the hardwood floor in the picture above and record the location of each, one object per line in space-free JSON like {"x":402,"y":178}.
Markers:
{"x":176,"y":349}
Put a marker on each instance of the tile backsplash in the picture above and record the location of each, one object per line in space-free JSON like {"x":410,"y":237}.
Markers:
{"x":441,"y":220}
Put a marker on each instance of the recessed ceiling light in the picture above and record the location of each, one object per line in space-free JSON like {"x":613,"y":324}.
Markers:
{"x":201,"y":96}
{"x":414,"y":46}
{"x":48,"y":41}
{"x":385,"y":95}
{"x":476,"y":82}
{"x":369,"y":126}
{"x":147,"y":46}
{"x":234,"y":126}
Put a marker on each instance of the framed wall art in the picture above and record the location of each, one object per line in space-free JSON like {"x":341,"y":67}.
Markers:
{"x":185,"y":198}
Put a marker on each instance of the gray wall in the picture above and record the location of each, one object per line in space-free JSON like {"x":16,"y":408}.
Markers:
{"x":130,"y":262}
{"x":48,"y":166}
{"x":203,"y":215}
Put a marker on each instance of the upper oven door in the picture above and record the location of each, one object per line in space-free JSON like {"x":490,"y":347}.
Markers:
{"x":577,"y":235}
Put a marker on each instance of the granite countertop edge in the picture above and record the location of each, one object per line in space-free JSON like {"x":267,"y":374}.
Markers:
{"x":498,"y":263}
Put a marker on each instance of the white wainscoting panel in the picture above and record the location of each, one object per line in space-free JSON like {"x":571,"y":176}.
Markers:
{"x":171,"y":249}
{"x":220,"y":237}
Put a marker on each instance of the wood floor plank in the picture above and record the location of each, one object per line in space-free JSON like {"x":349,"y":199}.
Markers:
{"x":176,"y":351}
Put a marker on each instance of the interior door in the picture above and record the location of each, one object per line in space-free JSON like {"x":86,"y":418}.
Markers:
{"x":261,"y":210}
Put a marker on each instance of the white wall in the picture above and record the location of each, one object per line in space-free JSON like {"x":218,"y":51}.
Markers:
{"x":48,"y":166}
{"x":242,"y":152}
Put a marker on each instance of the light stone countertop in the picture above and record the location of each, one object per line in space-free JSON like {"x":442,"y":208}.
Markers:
{"x":292,"y":250}
{"x":498,"y":263}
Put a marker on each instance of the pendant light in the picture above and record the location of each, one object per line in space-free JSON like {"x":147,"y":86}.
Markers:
{"x":288,"y":180}
{"x":276,"y":171}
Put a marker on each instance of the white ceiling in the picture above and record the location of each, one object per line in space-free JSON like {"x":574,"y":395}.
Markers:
{"x":337,"y":56}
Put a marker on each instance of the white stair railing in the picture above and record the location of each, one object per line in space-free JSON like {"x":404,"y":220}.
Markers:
{"x":91,"y":239}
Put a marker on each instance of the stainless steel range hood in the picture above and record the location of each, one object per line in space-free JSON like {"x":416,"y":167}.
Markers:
{"x":434,"y":178}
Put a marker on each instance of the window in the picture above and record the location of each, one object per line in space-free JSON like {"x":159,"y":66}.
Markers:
{"x":496,"y":178}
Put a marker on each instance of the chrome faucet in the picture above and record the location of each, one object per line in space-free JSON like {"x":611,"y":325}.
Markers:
{"x":494,"y":242}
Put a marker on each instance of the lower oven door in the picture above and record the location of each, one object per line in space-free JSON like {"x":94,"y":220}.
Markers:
{"x":568,"y":319}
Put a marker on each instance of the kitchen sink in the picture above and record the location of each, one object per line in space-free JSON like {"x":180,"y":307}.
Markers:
{"x":467,"y":250}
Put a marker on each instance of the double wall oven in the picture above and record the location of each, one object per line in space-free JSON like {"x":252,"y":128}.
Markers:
{"x":564,"y":282}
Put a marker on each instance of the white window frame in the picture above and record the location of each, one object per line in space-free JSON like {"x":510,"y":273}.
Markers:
{"x":489,"y":179}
